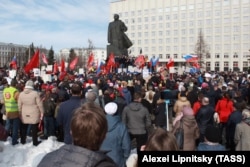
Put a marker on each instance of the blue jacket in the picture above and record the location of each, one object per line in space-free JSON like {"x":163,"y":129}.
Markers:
{"x":66,"y":110}
{"x":127,"y":95}
{"x":117,"y":141}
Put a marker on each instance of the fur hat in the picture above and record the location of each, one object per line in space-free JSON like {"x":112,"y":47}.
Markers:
{"x":110,"y":108}
{"x":29,"y":84}
{"x":212,"y":134}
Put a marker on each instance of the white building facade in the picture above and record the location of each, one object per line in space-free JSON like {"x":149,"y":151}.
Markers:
{"x":170,"y":28}
{"x":100,"y":54}
{"x":9,"y":50}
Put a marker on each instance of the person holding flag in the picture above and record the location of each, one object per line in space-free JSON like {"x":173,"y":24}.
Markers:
{"x":154,"y":61}
{"x":13,"y":63}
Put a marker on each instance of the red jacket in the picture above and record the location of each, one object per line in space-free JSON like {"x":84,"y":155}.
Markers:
{"x":224,"y":108}
{"x":196,"y":107}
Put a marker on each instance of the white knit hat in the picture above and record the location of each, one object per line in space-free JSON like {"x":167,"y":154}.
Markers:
{"x":110,"y":108}
{"x":29,"y":84}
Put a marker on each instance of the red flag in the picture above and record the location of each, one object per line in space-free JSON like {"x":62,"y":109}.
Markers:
{"x":55,"y":68}
{"x":62,"y":65}
{"x":170,"y":63}
{"x":44,"y":59}
{"x":33,"y":63}
{"x":73,"y":63}
{"x":111,"y":60}
{"x":62,"y":75}
{"x":140,"y":61}
{"x":90,"y":60}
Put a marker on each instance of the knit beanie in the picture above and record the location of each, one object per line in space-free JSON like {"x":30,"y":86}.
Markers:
{"x":29,"y":84}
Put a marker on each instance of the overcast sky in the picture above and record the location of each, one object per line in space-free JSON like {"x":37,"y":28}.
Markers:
{"x":57,"y":23}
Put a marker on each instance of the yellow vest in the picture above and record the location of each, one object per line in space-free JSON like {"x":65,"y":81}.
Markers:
{"x":9,"y":100}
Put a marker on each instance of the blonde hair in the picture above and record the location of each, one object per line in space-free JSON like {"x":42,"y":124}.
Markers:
{"x":245,"y":114}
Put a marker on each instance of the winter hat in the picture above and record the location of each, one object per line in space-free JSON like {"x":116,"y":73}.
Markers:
{"x":29,"y":84}
{"x":187,"y":110}
{"x":212,"y":134}
{"x":204,"y":85}
{"x":110,"y":108}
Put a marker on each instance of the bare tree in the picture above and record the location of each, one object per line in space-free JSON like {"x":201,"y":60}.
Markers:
{"x":201,"y":49}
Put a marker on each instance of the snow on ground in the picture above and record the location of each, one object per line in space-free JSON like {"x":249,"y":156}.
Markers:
{"x":26,"y":155}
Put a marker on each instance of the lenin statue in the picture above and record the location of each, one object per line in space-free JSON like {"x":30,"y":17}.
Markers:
{"x":117,"y":39}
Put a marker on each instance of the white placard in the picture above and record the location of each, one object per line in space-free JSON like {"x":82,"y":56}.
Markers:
{"x":36,"y":72}
{"x":180,"y":70}
{"x":49,"y":68}
{"x":171,"y":70}
{"x":119,"y":70}
{"x":145,"y":74}
{"x":131,"y":69}
{"x":47,"y":78}
{"x":12,"y":73}
{"x":43,"y":68}
{"x":81,"y":71}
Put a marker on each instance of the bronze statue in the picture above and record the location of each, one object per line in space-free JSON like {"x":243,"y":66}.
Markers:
{"x":118,"y":40}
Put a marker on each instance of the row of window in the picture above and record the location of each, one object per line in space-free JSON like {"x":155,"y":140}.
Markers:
{"x":226,"y":64}
{"x":215,"y":21}
{"x":190,"y":7}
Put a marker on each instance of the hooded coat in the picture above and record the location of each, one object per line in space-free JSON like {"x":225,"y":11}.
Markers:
{"x":191,"y":132}
{"x":71,"y":155}
{"x":136,"y":117}
{"x":242,"y":136}
{"x":30,"y":106}
{"x":117,"y":140}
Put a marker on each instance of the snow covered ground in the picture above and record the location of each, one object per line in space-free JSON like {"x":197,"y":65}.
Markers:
{"x":26,"y":155}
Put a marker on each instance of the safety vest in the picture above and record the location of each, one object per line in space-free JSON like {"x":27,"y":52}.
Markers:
{"x":9,"y":100}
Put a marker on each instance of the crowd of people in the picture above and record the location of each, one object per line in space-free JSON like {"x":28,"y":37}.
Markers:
{"x":111,"y":117}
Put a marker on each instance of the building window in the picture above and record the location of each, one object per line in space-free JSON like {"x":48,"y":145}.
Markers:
{"x":226,"y":2}
{"x":175,"y":48}
{"x":226,"y":55}
{"x":183,"y":24}
{"x":217,"y":55}
{"x":217,"y":64}
{"x":167,"y":32}
{"x":175,"y":32}
{"x":168,"y":40}
{"x":200,"y":14}
{"x":153,"y":18}
{"x":167,"y":10}
{"x":160,"y":41}
{"x":235,"y":55}
{"x":235,"y":64}
{"x":167,"y":56}
{"x":168,"y":25}
{"x":226,"y":64}
{"x":160,"y":49}
{"x":175,"y":40}
{"x":167,"y":48}
{"x":160,"y":18}
{"x":208,"y":13}
{"x":175,"y":16}
{"x":183,"y":39}
{"x":183,"y":32}
{"x":191,"y":15}
{"x":167,"y":17}
{"x":175,"y":8}
{"x":191,"y":7}
{"x":146,"y":26}
{"x":183,"y":7}
{"x":175,"y":56}
{"x":191,"y":23}
{"x":153,"y":33}
{"x":145,"y":19}
{"x":160,"y":33}
{"x":146,"y":41}
{"x":208,"y":56}
{"x":145,"y":34}
{"x":245,"y":64}
{"x":139,"y":20}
